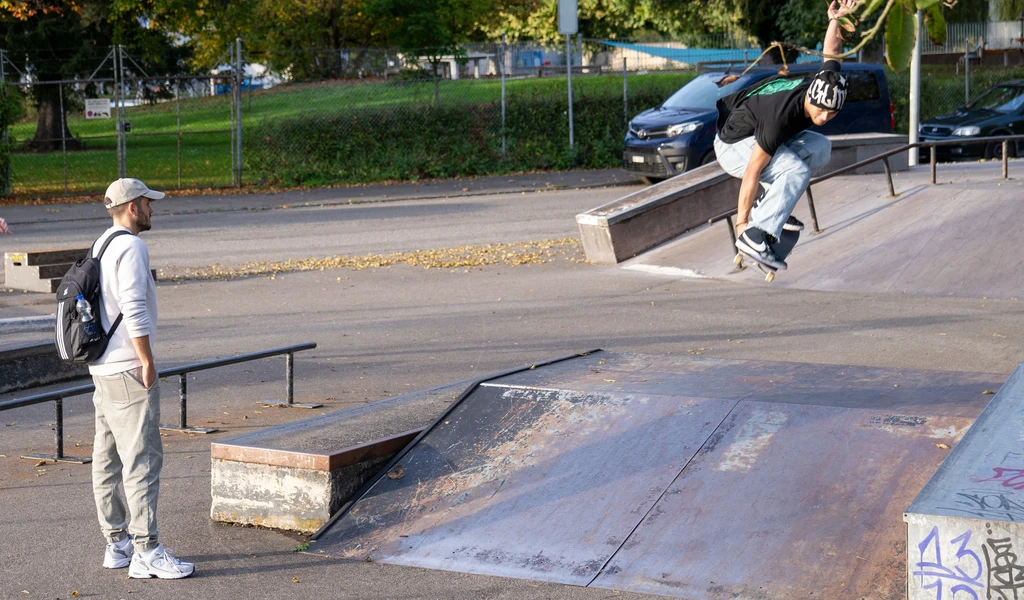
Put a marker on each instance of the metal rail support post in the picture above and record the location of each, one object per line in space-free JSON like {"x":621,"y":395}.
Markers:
{"x":888,"y":175}
{"x":1006,"y":166}
{"x":182,"y":425}
{"x":814,"y":214}
{"x":58,"y":433}
{"x":289,"y":382}
{"x":931,"y":162}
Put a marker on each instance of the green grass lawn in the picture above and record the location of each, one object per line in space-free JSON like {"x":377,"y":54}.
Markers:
{"x":206,"y":157}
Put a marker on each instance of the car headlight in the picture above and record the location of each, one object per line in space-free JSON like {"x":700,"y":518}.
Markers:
{"x":967,"y":131}
{"x":680,"y":128}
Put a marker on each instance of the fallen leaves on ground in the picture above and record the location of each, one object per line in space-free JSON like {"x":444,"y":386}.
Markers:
{"x":512,"y":254}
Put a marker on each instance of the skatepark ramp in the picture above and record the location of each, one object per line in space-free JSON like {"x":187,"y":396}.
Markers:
{"x":951,"y":239}
{"x":687,"y":477}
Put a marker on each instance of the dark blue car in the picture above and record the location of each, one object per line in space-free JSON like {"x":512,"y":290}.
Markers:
{"x":679,"y":134}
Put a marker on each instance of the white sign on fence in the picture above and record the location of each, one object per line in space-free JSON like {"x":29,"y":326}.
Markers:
{"x":97,"y":108}
{"x":567,"y":21}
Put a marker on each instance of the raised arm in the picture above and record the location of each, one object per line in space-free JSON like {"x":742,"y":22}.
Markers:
{"x":833,"y":45}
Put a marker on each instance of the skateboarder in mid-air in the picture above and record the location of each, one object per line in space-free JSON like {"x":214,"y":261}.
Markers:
{"x":762,"y":139}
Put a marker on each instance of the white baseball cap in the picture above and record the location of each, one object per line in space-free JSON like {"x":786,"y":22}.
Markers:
{"x":125,"y":190}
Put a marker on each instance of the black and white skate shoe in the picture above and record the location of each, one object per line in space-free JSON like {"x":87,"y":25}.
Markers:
{"x":756,"y":244}
{"x":793,"y":224}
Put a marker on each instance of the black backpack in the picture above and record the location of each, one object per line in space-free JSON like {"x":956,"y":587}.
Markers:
{"x":74,"y":343}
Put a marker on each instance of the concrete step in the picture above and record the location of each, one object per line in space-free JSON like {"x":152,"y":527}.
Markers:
{"x":39,"y":271}
{"x":46,"y":257}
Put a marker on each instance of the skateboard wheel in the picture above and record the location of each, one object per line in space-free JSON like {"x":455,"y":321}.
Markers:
{"x":768,"y":278}
{"x":738,"y":260}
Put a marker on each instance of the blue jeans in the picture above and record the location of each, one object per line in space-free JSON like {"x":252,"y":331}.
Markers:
{"x":786,"y":176}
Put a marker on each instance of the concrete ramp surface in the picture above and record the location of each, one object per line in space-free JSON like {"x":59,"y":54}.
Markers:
{"x":959,"y":238}
{"x":694,"y":478}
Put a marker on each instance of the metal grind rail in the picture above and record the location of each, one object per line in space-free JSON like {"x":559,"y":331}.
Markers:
{"x":884,"y":157}
{"x":57,"y":396}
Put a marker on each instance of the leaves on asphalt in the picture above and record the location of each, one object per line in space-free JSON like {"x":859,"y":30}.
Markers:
{"x":512,"y":254}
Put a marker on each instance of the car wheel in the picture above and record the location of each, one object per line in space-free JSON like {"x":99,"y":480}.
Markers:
{"x":708,"y":158}
{"x":994,"y":151}
{"x":651,"y":180}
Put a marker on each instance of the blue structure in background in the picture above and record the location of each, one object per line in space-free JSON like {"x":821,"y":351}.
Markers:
{"x":695,"y":55}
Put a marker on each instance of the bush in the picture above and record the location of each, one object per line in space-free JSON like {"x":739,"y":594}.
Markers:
{"x":455,"y":140}
{"x":942,"y":89}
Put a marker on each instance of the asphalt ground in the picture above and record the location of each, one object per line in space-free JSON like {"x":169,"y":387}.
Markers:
{"x":384,"y":331}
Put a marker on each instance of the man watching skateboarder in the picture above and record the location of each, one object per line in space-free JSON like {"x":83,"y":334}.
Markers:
{"x":762,"y":140}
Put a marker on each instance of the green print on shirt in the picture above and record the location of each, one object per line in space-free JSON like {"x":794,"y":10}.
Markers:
{"x":774,"y":87}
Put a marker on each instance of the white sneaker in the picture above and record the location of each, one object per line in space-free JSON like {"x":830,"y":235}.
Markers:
{"x":118,"y":554}
{"x":158,"y":563}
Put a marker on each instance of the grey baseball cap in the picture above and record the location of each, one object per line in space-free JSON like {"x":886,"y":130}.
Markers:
{"x":127,"y":189}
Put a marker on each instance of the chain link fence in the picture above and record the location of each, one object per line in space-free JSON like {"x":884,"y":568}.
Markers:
{"x":369,"y":115}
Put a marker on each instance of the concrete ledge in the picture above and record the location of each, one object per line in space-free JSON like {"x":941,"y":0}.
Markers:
{"x":28,"y":365}
{"x":296,"y":476}
{"x":855,"y":147}
{"x":21,"y":324}
{"x":970,"y":515}
{"x":635,"y":223}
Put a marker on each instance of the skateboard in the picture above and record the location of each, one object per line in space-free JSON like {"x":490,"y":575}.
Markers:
{"x":782,"y":248}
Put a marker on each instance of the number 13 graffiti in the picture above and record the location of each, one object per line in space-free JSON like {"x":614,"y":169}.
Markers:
{"x":962,"y":575}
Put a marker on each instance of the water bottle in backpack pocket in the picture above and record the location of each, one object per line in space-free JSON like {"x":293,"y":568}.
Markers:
{"x":79,"y":335}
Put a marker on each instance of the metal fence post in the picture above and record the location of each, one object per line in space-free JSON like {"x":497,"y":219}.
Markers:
{"x":63,"y":138}
{"x":967,"y":70}
{"x":1006,"y":169}
{"x":177,"y":103}
{"x":625,"y":92}
{"x":117,"y":112}
{"x":501,"y":66}
{"x":233,"y":131}
{"x":123,"y":113}
{"x":568,"y":72}
{"x":5,"y":185}
{"x":238,"y":107}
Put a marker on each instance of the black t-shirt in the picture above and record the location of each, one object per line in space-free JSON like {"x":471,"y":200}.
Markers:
{"x":772,"y":110}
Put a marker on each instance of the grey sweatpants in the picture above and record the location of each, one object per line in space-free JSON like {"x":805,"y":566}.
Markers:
{"x":786,"y":176}
{"x":127,"y":455}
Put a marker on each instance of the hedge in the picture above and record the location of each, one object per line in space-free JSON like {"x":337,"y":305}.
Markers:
{"x":416,"y":142}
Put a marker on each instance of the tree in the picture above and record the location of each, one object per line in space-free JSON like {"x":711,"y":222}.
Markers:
{"x":611,"y":19}
{"x":60,"y":40}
